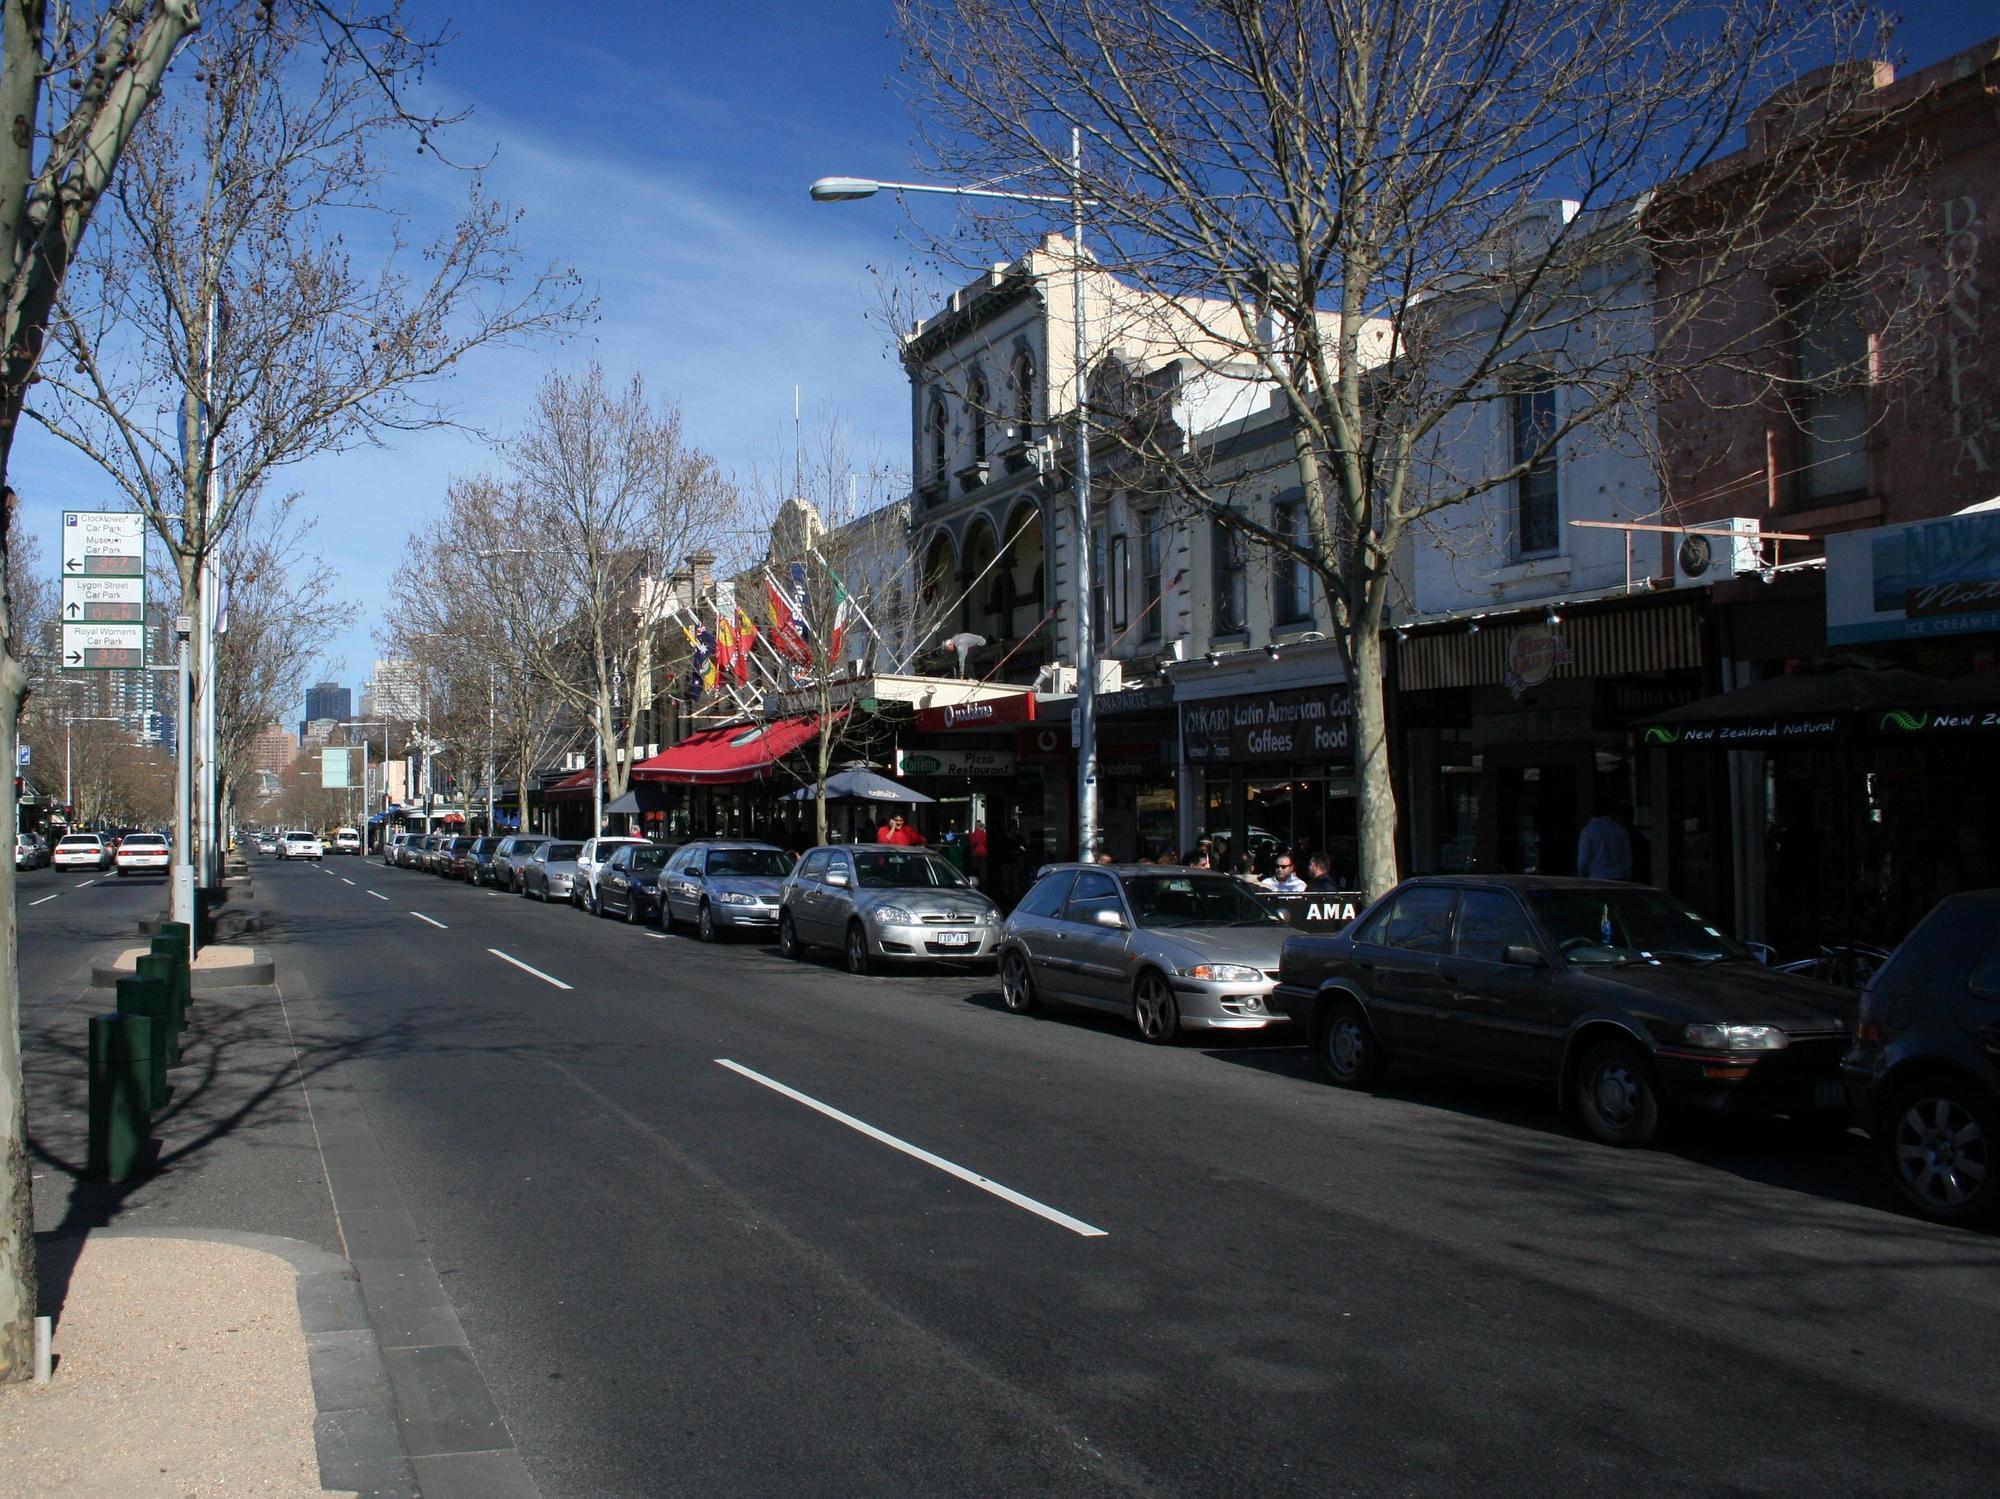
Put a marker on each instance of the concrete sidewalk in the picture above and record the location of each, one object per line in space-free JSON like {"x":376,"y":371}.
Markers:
{"x":237,"y":1179}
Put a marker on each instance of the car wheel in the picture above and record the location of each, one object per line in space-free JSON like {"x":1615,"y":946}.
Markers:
{"x":857,"y":949}
{"x":1616,"y":1096}
{"x":598,"y":908}
{"x":1941,"y":1149}
{"x":631,"y":908}
{"x":789,"y":945}
{"x":1017,"y":985}
{"x":1154,"y":1010}
{"x":1352,"y":1055}
{"x":704,"y":923}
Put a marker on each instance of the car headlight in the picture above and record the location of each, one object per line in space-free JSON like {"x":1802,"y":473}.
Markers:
{"x":1222,"y":973}
{"x":1736,"y":1037}
{"x":894,"y":916}
{"x":736,"y":898}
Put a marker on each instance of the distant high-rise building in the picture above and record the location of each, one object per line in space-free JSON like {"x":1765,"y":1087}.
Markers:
{"x":329,"y":700}
{"x":273,"y":749}
{"x":397,"y":692}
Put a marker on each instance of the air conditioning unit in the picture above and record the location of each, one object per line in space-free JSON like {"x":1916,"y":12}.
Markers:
{"x":1702,"y":559}
{"x":1055,"y":681}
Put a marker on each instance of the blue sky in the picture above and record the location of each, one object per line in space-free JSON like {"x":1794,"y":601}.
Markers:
{"x":663,"y":148}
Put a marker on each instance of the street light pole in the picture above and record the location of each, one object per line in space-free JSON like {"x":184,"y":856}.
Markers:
{"x":847,"y":189}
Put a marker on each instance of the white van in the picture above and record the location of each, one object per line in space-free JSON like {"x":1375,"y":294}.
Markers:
{"x":346,"y":841}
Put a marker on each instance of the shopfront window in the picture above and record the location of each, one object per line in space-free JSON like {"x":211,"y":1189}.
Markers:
{"x":1292,"y":591}
{"x":1152,"y":550}
{"x":1537,"y":520}
{"x":1830,"y":363}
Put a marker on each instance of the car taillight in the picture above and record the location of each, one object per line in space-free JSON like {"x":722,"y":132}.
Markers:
{"x":1867,"y":1029}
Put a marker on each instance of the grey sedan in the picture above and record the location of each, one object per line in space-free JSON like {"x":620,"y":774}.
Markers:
{"x":510,"y":860}
{"x":724,"y":887}
{"x":884,"y":903}
{"x":550,"y":871}
{"x":1175,"y":949}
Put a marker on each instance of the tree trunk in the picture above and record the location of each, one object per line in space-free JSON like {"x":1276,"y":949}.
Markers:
{"x":18,"y":1291}
{"x":1375,"y":788}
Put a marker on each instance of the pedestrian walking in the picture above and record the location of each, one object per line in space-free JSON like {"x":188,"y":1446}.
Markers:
{"x":1604,"y":847}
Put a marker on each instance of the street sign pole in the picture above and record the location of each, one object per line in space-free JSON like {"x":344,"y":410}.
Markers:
{"x":183,"y":891}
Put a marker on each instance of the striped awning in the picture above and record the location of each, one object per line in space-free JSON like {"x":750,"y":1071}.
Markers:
{"x":1615,"y":642}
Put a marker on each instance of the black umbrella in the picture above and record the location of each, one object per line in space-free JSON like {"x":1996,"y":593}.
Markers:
{"x":1805,"y":706}
{"x":860,"y":786}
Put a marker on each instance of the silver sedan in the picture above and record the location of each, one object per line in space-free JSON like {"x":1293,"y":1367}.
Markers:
{"x":550,"y":871}
{"x":885,"y":904}
{"x":1175,"y":949}
{"x":724,"y":887}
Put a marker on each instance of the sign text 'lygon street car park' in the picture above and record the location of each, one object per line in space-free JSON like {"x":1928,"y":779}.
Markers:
{"x":103,"y":590}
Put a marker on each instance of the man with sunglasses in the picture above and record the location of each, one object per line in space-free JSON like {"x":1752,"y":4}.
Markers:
{"x":1286,"y":881}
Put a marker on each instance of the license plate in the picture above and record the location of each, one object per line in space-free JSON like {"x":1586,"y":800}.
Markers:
{"x":954,"y":939}
{"x":1829,"y":1095}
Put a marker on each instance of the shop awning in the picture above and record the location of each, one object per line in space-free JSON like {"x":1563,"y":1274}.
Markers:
{"x":641,"y":800}
{"x":740,"y":752}
{"x":574,"y":787}
{"x":1807,"y":707}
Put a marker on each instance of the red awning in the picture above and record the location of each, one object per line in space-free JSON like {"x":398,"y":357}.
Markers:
{"x":573,"y":787}
{"x":741,"y":752}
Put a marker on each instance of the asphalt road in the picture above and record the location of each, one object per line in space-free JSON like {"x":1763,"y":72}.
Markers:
{"x":1216,"y":1275}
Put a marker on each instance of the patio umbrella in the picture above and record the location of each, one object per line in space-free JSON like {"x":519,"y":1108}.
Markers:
{"x":860,"y":786}
{"x":1817,"y":705}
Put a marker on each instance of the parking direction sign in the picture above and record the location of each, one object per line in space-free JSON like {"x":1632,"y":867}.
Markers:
{"x":103,"y":544}
{"x":86,"y":600}
{"x":103,"y":647}
{"x":103,"y":590}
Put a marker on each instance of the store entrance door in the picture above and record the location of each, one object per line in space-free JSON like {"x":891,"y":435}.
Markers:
{"x":1536,"y":821}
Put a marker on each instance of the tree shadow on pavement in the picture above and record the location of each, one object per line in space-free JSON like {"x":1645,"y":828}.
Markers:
{"x":237,"y":1091}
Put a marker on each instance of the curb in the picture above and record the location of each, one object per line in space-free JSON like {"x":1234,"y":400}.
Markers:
{"x":355,"y":1434}
{"x":260,"y":972}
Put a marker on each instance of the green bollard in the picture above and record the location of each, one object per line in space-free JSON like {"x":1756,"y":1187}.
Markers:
{"x":121,"y":1051}
{"x":148,"y":997}
{"x":164,"y":969}
{"x":183,"y":987}
{"x":175,"y":934}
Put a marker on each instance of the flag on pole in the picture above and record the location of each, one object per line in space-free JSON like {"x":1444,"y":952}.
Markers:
{"x":787,"y":634}
{"x":705,"y":661}
{"x":842,"y":607}
{"x":725,"y":648}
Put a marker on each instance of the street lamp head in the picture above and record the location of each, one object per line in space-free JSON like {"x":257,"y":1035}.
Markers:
{"x":843,"y":189}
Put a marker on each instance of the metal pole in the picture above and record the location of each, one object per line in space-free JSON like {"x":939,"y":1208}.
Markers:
{"x":492,"y":707}
{"x":183,"y":891}
{"x":1086,"y":644}
{"x":69,"y":781}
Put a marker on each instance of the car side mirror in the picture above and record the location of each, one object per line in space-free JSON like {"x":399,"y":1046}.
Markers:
{"x":837,"y":878}
{"x":1113,"y":919}
{"x":1523,"y":955}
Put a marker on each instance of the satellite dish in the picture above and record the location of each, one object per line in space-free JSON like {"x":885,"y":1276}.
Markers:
{"x":965,"y":643}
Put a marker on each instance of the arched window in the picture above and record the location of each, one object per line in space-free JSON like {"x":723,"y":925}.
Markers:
{"x":978,"y":399}
{"x":934,"y":431}
{"x":1024,"y":395}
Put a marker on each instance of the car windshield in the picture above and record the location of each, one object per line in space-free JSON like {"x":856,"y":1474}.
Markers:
{"x":79,"y":843}
{"x":561,"y":851}
{"x":754,"y":863}
{"x":145,"y":840}
{"x":646,"y":859}
{"x":1169,"y":900}
{"x":1630,"y":925}
{"x":904,"y":869}
{"x":527,"y":845}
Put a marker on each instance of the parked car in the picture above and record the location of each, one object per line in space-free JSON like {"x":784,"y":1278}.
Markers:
{"x":142,"y":853}
{"x":1924,"y":1068}
{"x":1175,"y":949}
{"x":510,"y":860}
{"x":479,"y":860}
{"x":82,"y":851}
{"x":1617,"y":996}
{"x":456,"y":859}
{"x":300,"y":844}
{"x":437,"y":853}
{"x":345,"y":841}
{"x":30,"y":851}
{"x":628,"y":886}
{"x":725,"y":886}
{"x":392,"y":843}
{"x":889,"y":903}
{"x":596,"y":853}
{"x":550,"y":872}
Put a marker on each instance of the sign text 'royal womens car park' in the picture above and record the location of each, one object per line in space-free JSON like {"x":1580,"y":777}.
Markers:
{"x":103,"y":590}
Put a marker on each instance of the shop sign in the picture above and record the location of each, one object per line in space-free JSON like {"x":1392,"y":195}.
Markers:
{"x":1016,"y":707}
{"x":1311,"y":723}
{"x":955,"y":762}
{"x":1319,"y":911}
{"x":1533,"y":654}
{"x":1038,"y":746}
{"x":1925,"y":579}
{"x":1158,"y":698}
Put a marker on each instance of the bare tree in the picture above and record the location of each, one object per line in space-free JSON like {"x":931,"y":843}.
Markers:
{"x":602,"y":496}
{"x":226,"y":322}
{"x":75,"y":81}
{"x":1290,"y":186}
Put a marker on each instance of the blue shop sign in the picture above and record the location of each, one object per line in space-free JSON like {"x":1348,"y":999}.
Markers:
{"x":1916,"y":581}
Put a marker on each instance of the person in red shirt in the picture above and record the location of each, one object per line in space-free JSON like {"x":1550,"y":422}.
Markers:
{"x":900,"y":833}
{"x":976,"y":840}
{"x":887,"y":832}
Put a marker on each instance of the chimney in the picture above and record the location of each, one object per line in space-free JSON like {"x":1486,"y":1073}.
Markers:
{"x":701,"y":567}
